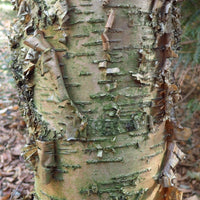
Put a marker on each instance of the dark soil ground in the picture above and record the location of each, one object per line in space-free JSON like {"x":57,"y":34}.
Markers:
{"x":16,"y":178}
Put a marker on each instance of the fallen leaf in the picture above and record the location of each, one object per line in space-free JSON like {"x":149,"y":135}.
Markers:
{"x":5,"y":197}
{"x":15,"y":107}
{"x":16,"y":151}
{"x":174,"y":194}
{"x":194,"y":175}
{"x":193,"y":198}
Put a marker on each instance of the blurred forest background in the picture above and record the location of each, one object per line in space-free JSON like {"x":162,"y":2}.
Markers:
{"x":16,"y":176}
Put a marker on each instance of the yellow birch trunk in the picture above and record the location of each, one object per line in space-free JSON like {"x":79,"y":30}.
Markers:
{"x":97,"y":91}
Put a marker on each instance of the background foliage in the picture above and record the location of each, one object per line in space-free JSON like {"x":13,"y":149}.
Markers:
{"x":190,"y":21}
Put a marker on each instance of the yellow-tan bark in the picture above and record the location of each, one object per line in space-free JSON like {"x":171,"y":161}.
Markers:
{"x":97,"y":91}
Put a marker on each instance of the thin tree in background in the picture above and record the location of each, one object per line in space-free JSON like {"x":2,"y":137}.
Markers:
{"x":96,"y":87}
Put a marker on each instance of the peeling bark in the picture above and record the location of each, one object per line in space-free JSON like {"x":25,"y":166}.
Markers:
{"x":96,"y":87}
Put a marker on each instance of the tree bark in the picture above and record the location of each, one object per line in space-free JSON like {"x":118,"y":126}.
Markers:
{"x":96,"y":87}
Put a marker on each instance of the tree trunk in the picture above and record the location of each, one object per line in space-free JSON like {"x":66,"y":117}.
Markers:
{"x":96,"y":87}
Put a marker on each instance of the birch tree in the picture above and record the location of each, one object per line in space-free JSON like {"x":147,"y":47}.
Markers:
{"x":96,"y":86}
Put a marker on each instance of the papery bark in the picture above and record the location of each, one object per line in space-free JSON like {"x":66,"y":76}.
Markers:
{"x":97,"y":89}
